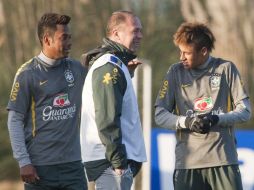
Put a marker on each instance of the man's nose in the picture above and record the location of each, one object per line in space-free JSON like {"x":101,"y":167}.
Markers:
{"x":182,"y":57}
{"x":140,"y":35}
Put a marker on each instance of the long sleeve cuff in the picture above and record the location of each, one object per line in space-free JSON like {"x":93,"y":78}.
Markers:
{"x":17,"y":137}
{"x":24,"y":161}
{"x":165,"y":119}
{"x":180,"y":123}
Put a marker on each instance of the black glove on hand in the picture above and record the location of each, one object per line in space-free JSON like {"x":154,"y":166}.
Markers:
{"x":210,"y":120}
{"x":196,"y":124}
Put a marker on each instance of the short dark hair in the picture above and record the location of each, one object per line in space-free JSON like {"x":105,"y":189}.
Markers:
{"x":48,"y":23}
{"x":197,"y":34}
{"x":117,"y":18}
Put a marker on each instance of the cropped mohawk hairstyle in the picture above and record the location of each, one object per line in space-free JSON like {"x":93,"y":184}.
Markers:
{"x":195,"y":33}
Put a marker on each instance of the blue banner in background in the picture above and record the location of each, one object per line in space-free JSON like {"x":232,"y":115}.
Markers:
{"x":163,"y":158}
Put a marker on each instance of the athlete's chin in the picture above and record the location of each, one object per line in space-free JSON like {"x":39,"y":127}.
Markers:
{"x":134,"y":49}
{"x":63,"y":56}
{"x":66,"y":54}
{"x":186,"y":66}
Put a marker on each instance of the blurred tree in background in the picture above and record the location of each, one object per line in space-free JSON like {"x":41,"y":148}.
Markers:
{"x":231,"y":21}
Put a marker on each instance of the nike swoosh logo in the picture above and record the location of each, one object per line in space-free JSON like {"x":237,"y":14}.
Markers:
{"x":43,"y":82}
{"x":185,"y":85}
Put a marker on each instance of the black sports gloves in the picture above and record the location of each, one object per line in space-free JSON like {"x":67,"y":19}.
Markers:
{"x":196,"y":124}
{"x":210,"y":120}
{"x":201,"y":123}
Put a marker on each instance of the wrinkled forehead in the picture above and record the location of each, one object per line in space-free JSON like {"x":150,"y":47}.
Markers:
{"x":136,"y":22}
{"x":131,"y":23}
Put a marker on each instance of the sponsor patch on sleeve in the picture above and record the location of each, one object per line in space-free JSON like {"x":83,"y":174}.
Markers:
{"x":14,"y":92}
{"x":164,"y":89}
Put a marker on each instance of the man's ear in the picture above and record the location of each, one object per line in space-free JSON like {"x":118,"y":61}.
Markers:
{"x":115,"y":35}
{"x":204,"y":51}
{"x":47,"y":39}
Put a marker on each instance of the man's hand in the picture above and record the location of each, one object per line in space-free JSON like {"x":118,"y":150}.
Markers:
{"x":210,"y":120}
{"x":132,"y":65}
{"x":197,"y":124}
{"x":28,"y":174}
{"x":119,"y":171}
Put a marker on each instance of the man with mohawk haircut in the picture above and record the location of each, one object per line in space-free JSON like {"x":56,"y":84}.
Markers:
{"x":202,"y":97}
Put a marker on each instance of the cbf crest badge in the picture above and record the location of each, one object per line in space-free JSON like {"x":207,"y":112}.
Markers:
{"x":69,"y":77}
{"x":215,"y":81}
